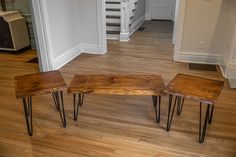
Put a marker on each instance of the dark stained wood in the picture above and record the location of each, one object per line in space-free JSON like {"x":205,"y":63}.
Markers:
{"x":197,"y":88}
{"x":117,"y":84}
{"x":38,"y":83}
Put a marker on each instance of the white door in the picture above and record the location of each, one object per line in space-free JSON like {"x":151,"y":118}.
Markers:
{"x":162,"y":9}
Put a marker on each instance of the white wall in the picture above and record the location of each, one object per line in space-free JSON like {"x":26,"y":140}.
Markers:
{"x":68,"y":28}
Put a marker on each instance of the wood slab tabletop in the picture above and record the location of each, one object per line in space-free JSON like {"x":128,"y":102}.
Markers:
{"x":197,"y":88}
{"x":117,"y":84}
{"x":38,"y":83}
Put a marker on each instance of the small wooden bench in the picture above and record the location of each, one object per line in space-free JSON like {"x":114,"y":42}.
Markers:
{"x":152,"y":85}
{"x":27,"y":86}
{"x":205,"y":91}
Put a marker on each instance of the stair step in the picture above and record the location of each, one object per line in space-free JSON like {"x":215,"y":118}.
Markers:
{"x":112,"y":1}
{"x":113,"y":32}
{"x":113,"y":24}
{"x":113,"y":13}
{"x":113,"y":28}
{"x":113,"y":6}
{"x":113,"y":36}
{"x":112,"y":20}
{"x":113,"y":16}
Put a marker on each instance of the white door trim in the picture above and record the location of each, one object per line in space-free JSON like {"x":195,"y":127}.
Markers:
{"x":45,"y":46}
{"x":179,"y":28}
{"x":101,"y":15}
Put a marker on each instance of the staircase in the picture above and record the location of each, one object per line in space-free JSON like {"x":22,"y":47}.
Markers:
{"x":113,"y":19}
{"x":119,"y":18}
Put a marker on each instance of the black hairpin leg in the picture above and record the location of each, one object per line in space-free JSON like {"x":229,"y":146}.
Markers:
{"x":211,"y":114}
{"x":158,"y":115}
{"x":208,"y":119}
{"x":180,"y":105}
{"x":27,"y":104}
{"x":78,"y":102}
{"x":59,"y":103}
{"x":171,"y":111}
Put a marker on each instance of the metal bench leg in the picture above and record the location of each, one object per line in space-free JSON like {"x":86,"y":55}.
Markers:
{"x":59,"y":103}
{"x":170,"y":113}
{"x":202,"y":131}
{"x":158,"y":115}
{"x":77,"y":104}
{"x":211,"y":115}
{"x":180,"y":105}
{"x":27,"y":104}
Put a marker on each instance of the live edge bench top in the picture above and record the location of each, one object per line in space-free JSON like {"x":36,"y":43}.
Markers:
{"x":197,"y":88}
{"x":117,"y":84}
{"x":39,"y":83}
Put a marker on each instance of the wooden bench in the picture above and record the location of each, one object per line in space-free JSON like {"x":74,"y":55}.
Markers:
{"x":152,"y":85}
{"x":27,"y":86}
{"x":205,"y":91}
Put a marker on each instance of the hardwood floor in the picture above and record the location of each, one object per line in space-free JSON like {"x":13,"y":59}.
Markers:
{"x":115,"y":126}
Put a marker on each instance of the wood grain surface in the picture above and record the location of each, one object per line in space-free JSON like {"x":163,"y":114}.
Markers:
{"x":117,"y":84}
{"x":38,"y":83}
{"x":197,"y":88}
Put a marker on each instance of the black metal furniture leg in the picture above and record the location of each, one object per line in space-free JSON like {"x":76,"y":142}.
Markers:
{"x":27,"y":104}
{"x":77,"y":104}
{"x":59,"y":103}
{"x":158,"y":116}
{"x":56,"y":99}
{"x":211,"y":114}
{"x":202,"y":131}
{"x":170,"y":113}
{"x":180,"y":105}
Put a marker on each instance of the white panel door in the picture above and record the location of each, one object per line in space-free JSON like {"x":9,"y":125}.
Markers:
{"x":162,"y":9}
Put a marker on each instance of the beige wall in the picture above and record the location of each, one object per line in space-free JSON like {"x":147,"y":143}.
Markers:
{"x":200,"y":25}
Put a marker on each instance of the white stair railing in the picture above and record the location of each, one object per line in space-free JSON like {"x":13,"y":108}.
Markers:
{"x":125,"y":20}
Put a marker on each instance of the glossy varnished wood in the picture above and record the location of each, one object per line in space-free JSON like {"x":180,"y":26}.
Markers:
{"x":38,"y":83}
{"x":198,"y":88}
{"x":115,"y":126}
{"x":117,"y":84}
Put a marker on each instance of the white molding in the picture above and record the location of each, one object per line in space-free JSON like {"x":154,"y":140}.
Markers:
{"x":66,"y":57}
{"x":228,"y":68}
{"x":179,"y":29}
{"x":43,"y":34}
{"x":101,"y":15}
{"x":69,"y":55}
{"x":147,"y":17}
{"x":91,"y":48}
{"x":198,"y":57}
{"x":136,"y":24}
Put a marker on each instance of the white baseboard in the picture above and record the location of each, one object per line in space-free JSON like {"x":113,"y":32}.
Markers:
{"x":136,"y":24}
{"x":92,"y":49}
{"x":197,"y":57}
{"x":66,"y":57}
{"x":69,"y":55}
{"x":228,"y":69}
{"x":148,"y":17}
